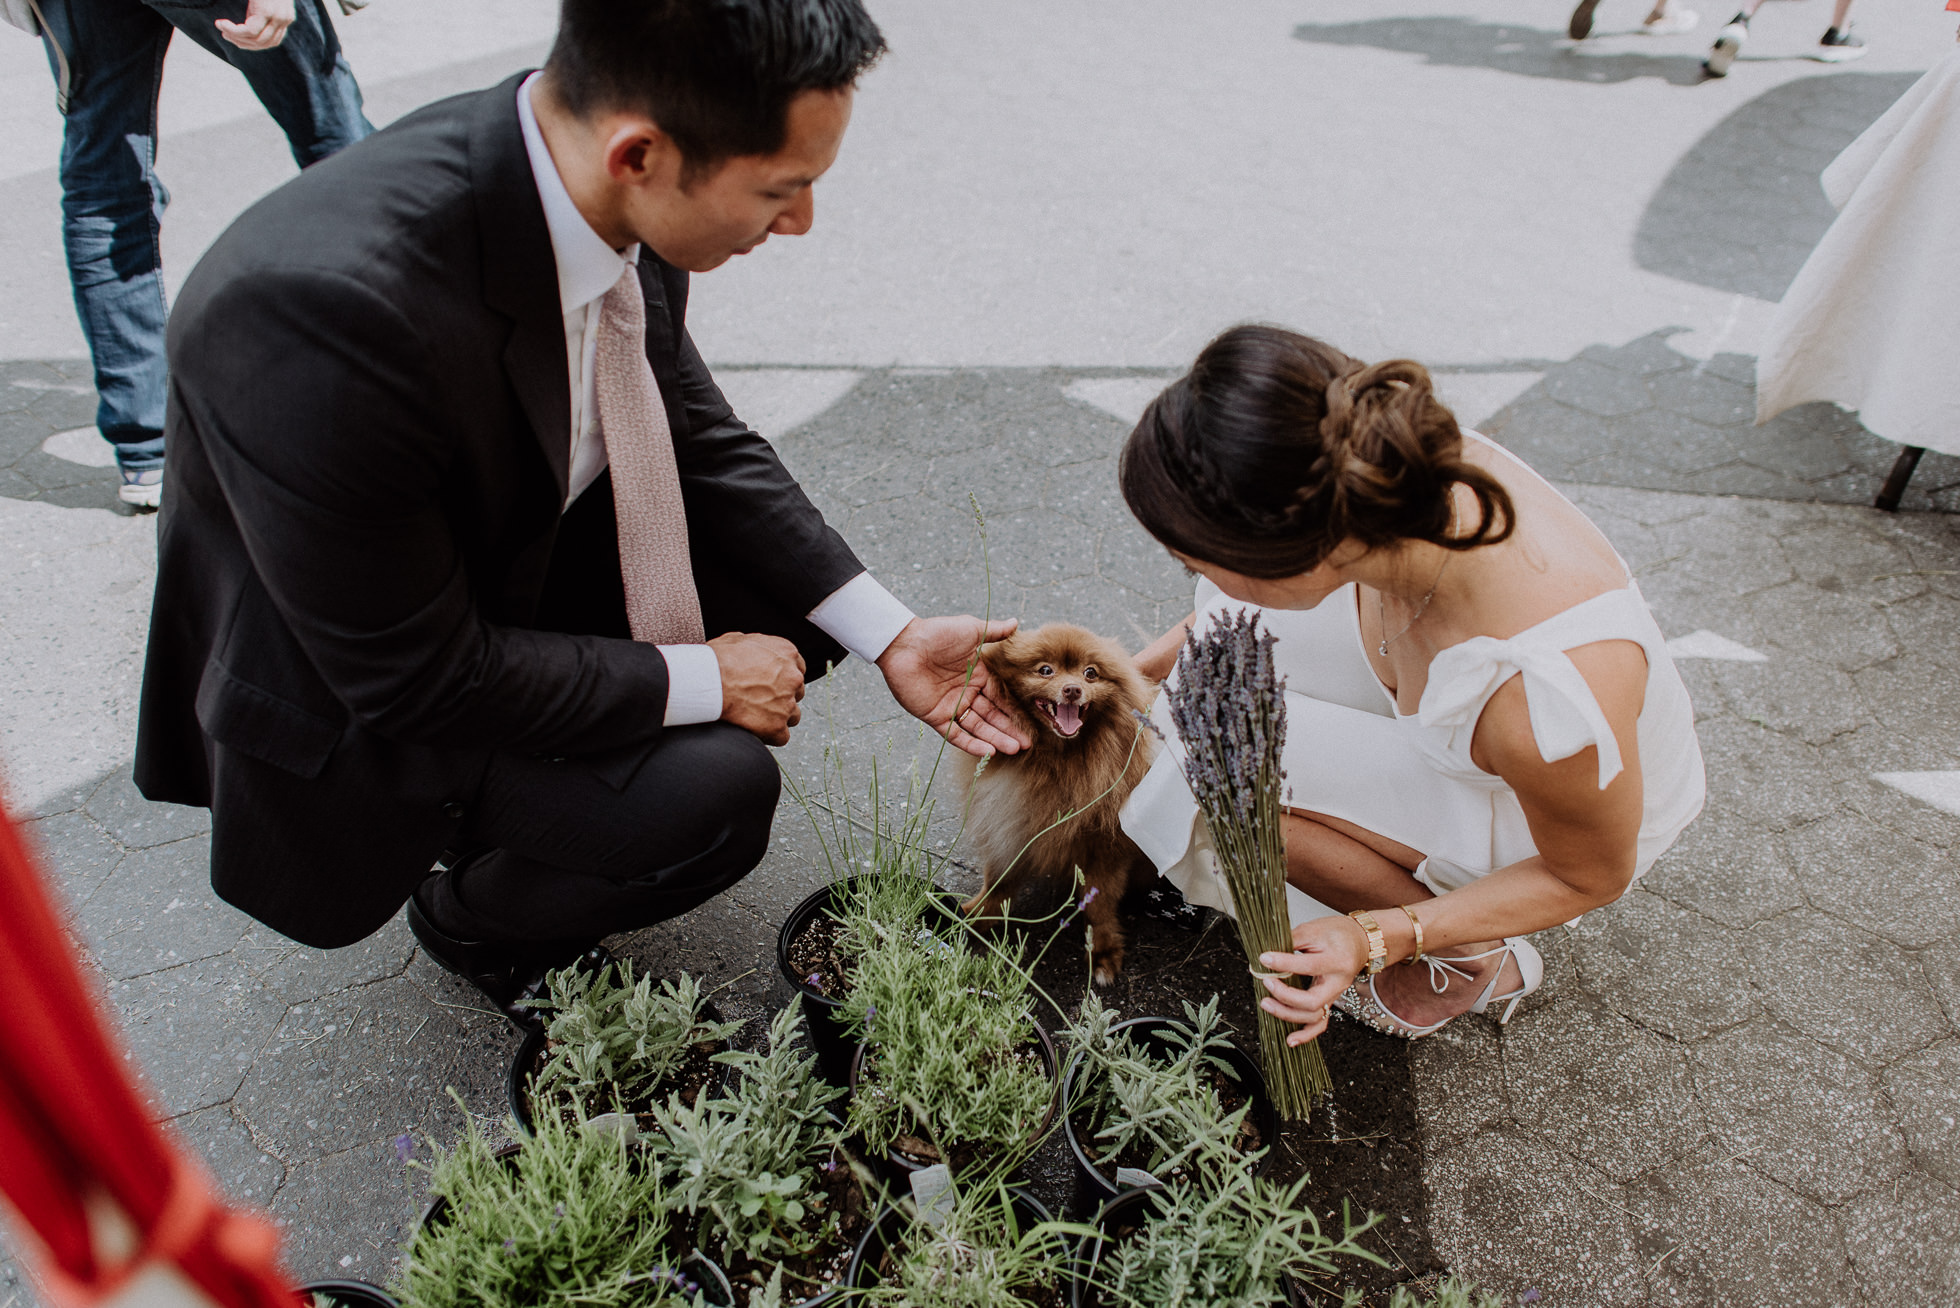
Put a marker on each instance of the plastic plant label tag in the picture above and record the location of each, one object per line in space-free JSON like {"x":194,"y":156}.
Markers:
{"x":622,"y":1125}
{"x":925,"y":938}
{"x":932,"y":1191}
{"x":1135,"y":1176}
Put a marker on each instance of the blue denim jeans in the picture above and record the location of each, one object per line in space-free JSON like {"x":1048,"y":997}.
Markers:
{"x":111,"y":199}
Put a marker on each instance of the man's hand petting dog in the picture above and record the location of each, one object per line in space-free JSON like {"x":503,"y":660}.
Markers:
{"x":761,"y":683}
{"x":936,"y":674}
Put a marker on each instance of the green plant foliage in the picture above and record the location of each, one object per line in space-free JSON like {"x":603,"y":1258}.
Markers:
{"x":1134,"y":1095}
{"x":896,"y":902}
{"x":1227,"y":1242}
{"x":578,"y":1221}
{"x":614,"y":1040}
{"x":949,"y":1030}
{"x":1451,"y":1292}
{"x":749,"y":1164}
{"x":978,"y":1256}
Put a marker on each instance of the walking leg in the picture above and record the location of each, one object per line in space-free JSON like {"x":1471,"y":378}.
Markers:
{"x":303,"y":82}
{"x":111,"y":209}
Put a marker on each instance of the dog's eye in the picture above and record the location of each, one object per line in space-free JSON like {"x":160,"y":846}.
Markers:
{"x":1045,"y":670}
{"x":1089,"y":674}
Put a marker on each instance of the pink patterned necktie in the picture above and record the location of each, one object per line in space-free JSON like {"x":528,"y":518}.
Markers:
{"x":662,"y":607}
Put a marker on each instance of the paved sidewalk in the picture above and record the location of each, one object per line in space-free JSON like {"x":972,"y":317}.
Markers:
{"x":1735,"y":1087}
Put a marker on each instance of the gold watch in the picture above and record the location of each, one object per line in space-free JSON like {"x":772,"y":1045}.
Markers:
{"x":1377,"y":946}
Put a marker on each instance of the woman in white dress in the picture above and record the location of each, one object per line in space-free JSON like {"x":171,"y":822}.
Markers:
{"x":1485,"y":734}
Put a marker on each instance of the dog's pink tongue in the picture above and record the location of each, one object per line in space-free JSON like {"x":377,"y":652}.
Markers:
{"x":1068,"y":717}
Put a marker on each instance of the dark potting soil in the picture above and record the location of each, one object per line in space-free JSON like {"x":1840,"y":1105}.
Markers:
{"x":814,"y":954}
{"x":1231,"y":1098}
{"x":696,"y":1074}
{"x":806,"y":1278}
{"x":1361,"y":1146}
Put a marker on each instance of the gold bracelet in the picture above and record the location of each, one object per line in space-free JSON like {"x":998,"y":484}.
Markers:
{"x":1377,"y":946}
{"x":1418,"y":928}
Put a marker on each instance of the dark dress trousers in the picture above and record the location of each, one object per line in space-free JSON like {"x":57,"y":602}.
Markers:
{"x":376,"y":636}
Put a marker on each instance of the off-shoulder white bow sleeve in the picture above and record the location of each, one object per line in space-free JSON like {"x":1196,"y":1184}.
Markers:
{"x":1565,"y":717}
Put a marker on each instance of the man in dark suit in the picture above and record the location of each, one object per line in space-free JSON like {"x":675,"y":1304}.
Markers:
{"x":464,"y":551}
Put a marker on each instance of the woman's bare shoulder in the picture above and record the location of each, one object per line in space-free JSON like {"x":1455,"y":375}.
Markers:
{"x":1557,"y":556}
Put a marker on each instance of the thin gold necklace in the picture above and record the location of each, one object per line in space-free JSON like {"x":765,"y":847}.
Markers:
{"x":1381,"y":611}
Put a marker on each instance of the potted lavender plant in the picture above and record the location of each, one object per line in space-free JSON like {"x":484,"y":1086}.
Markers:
{"x":1224,"y":1241}
{"x":575,"y":1218}
{"x":612,"y":1043}
{"x":1148,"y":1099}
{"x":953,"y":1068}
{"x":764,"y":1175}
{"x":989,"y":1246}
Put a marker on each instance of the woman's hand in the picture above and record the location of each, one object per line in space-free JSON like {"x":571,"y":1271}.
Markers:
{"x":1331,"y":950}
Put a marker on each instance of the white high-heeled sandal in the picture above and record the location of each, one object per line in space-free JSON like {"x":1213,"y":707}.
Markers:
{"x":1366,"y":1007}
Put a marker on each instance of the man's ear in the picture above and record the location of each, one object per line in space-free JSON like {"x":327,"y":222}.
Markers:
{"x":639,"y":153}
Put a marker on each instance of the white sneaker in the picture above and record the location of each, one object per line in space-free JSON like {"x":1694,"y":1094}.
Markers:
{"x":1728,"y":44}
{"x":1838,"y":47}
{"x":142,"y":490}
{"x":1672,"y":23}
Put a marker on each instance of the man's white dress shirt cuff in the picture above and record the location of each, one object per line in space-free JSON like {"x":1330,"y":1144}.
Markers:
{"x":693,"y":684}
{"x":862,"y":616}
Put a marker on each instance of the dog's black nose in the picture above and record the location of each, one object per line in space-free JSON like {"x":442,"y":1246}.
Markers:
{"x":1071,"y":694}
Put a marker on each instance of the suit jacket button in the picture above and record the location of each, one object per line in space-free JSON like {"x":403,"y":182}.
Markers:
{"x":453,"y":809}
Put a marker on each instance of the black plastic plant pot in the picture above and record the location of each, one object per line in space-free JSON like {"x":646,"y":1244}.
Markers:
{"x":887,"y":1230}
{"x":529,"y":1057}
{"x":1095,"y":1185}
{"x":830,"y":1038}
{"x":899,"y":1166}
{"x":1117,"y":1219}
{"x":345,"y":1294}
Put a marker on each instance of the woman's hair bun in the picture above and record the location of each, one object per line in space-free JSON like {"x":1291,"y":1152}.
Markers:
{"x":1276,"y":447}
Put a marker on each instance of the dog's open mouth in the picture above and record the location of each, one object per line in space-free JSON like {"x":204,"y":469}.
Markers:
{"x":1064,"y":715}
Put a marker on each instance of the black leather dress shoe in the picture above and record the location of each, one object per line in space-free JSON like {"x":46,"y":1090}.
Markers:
{"x":508,"y":972}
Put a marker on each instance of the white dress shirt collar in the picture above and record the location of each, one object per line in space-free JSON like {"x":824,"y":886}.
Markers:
{"x":587,"y":266}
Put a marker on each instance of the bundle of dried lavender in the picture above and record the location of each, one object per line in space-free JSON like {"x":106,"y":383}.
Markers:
{"x":1225,"y":702}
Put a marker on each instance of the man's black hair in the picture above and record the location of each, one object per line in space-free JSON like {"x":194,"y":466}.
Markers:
{"x":716,"y":75}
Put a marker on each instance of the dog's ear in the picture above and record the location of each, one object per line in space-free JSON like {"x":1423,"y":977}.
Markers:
{"x":999,"y":655}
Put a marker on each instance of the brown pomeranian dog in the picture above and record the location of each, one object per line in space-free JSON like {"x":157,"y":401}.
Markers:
{"x":1039,"y":815}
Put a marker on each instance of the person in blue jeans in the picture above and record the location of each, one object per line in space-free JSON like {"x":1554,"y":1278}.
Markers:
{"x":107,"y":57}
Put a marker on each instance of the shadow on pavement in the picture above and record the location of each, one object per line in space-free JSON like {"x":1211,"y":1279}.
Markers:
{"x":1526,"y":51}
{"x":39,"y":397}
{"x":1643,"y":415}
{"x":1743,"y":209}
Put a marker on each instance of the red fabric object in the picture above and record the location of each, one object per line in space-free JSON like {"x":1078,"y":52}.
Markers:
{"x":76,"y":1138}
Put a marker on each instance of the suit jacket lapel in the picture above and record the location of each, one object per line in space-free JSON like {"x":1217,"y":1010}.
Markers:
{"x":520,"y":277}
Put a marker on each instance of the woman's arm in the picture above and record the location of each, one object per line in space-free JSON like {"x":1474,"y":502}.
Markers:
{"x":1586,"y":840}
{"x":1157,"y":661}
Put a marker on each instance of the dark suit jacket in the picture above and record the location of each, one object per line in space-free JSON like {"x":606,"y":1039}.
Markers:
{"x":365,"y":586}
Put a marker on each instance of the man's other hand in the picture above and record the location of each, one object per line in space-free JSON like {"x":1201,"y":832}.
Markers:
{"x":761,"y":682}
{"x":935,"y":673}
{"x":264,"y":27}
